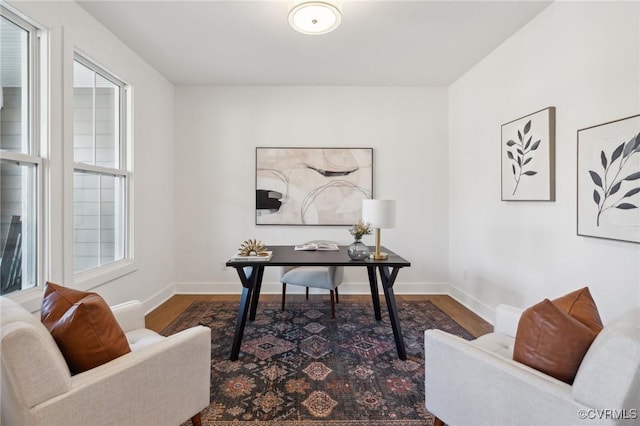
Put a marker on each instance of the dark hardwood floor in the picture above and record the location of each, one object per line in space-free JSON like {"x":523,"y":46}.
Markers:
{"x":159,"y":318}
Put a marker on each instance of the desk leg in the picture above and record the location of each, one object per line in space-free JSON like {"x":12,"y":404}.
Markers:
{"x":373,"y":284}
{"x":387,"y":286}
{"x":240,"y":322}
{"x":256,"y":280}
{"x":245,"y":300}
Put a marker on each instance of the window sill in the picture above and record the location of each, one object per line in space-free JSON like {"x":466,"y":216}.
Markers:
{"x":98,"y":276}
{"x":31,"y":299}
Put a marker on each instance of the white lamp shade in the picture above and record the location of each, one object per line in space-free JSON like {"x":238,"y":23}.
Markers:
{"x":379,"y":213}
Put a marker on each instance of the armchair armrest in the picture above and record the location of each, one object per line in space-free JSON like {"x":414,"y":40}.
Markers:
{"x":130,"y":315}
{"x":466,"y":384}
{"x":38,"y":371}
{"x":165,"y":383}
{"x":507,"y":318}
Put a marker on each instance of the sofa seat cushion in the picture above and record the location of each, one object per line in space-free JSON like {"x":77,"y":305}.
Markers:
{"x":499,"y":344}
{"x":142,"y":338}
{"x":83,"y":326}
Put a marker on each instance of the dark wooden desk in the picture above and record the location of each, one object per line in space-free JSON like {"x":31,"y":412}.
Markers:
{"x":287,"y":256}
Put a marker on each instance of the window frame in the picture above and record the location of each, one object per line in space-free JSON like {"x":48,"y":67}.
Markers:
{"x":102,"y":273}
{"x":36,"y":135}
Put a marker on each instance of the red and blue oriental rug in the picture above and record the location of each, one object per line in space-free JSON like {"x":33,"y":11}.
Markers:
{"x":299,"y":367}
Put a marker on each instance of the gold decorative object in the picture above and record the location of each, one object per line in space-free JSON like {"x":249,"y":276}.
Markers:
{"x":253,"y":248}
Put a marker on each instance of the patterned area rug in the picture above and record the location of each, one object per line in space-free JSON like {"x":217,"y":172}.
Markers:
{"x":300,"y":367}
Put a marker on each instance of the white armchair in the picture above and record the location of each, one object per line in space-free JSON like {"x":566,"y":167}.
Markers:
{"x":477,"y":382}
{"x":162,"y":381}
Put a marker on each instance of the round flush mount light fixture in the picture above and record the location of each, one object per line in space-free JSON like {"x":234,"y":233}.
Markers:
{"x":314,"y":17}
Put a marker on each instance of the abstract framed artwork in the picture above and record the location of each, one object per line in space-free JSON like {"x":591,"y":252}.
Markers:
{"x":528,"y":157}
{"x":312,"y":186}
{"x":609,"y":180}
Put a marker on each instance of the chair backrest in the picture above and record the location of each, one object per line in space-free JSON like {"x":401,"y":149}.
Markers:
{"x":609,"y":375}
{"x":337,"y":272}
{"x":33,"y":368}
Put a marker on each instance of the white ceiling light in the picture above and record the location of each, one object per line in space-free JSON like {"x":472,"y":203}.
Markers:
{"x":315,"y":17}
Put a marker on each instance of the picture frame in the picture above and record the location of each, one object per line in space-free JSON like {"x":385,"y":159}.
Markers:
{"x":528,"y":157}
{"x":312,"y":186}
{"x":608,"y":168}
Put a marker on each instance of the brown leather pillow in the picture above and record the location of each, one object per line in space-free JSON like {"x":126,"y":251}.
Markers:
{"x":83,"y":326}
{"x":581,"y":306}
{"x":551,"y":341}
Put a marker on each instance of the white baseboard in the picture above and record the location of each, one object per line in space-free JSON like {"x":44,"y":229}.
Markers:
{"x":276,"y":288}
{"x":158,"y":299}
{"x":481,"y":309}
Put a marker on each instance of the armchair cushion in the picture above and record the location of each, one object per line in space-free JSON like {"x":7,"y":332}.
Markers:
{"x":551,"y":341}
{"x":83,"y":326}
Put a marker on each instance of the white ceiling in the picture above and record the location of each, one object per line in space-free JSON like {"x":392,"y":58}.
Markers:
{"x":379,"y":43}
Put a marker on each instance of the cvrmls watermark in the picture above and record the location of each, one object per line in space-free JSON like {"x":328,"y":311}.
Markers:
{"x":608,"y":414}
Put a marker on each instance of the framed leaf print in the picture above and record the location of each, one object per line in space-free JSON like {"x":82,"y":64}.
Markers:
{"x":609,"y":180}
{"x":528,"y":157}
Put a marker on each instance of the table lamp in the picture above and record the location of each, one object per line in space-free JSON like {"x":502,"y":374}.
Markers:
{"x":379,"y":214}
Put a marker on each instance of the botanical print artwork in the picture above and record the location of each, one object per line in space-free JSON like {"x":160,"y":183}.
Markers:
{"x":312,"y":186}
{"x":521,"y":153}
{"x":606,"y":187}
{"x":609,"y":180}
{"x":528,"y":169}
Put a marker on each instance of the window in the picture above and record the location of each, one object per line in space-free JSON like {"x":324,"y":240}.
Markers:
{"x":101,"y":178}
{"x":21,"y":173}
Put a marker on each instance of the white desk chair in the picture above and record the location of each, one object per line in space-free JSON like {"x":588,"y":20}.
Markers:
{"x":329,"y":277}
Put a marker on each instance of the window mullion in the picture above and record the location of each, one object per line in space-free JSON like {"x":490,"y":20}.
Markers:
{"x":93,"y":119}
{"x":100,"y":221}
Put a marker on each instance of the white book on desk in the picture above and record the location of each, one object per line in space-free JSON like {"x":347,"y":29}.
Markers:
{"x":265,"y":258}
{"x":317,"y":246}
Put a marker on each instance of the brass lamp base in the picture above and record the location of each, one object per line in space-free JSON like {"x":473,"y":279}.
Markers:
{"x":379,"y":256}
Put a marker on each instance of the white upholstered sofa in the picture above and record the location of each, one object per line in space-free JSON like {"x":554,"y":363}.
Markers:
{"x":477,"y":382}
{"x":162,"y":381}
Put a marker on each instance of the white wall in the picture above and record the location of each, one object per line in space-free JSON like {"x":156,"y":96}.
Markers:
{"x":582,"y":58}
{"x":218,"y":129}
{"x":435,"y":151}
{"x":70,"y":27}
